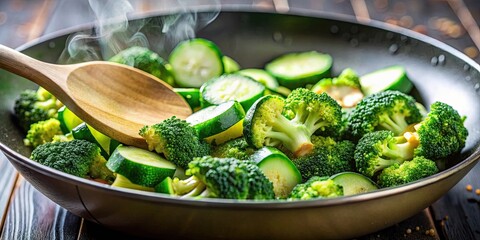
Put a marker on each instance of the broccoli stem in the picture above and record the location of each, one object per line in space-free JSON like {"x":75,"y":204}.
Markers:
{"x":395,"y":123}
{"x":384,"y":163}
{"x":400,"y":150}
{"x":295,"y":137}
{"x":182,"y":187}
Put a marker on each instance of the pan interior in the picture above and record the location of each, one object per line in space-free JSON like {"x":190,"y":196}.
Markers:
{"x":439,"y":72}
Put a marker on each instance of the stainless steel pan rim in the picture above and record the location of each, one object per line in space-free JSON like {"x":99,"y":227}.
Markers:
{"x":274,"y":204}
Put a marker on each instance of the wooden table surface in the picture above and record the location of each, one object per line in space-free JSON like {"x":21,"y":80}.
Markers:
{"x":26,"y":214}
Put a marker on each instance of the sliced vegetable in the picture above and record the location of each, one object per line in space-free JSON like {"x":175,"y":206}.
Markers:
{"x":231,"y":87}
{"x":261,"y":76}
{"x":191,"y":95}
{"x":214,"y":120}
{"x":140,"y":166}
{"x":389,"y":78}
{"x":296,"y":70}
{"x":68,"y":120}
{"x":196,"y":61}
{"x":123,"y":182}
{"x":279,"y":169}
{"x":86,"y":132}
{"x":165,"y":186}
{"x":230,"y":65}
{"x":354,"y":183}
{"x":233,"y":132}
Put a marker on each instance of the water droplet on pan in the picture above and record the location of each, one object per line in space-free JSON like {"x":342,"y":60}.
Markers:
{"x":354,"y":42}
{"x":393,"y":49}
{"x":477,"y":86}
{"x":277,"y":37}
{"x":468,"y":78}
{"x":434,"y":61}
{"x":334,"y":29}
{"x":441,"y":59}
{"x":466,"y":67}
{"x":389,"y":35}
{"x":51,"y":44}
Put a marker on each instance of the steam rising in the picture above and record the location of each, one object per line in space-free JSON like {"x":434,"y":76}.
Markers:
{"x":113,"y":32}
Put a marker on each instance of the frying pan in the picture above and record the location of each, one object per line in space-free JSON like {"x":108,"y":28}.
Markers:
{"x":439,"y":73}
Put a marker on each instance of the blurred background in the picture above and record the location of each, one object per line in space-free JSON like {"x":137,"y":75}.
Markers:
{"x":454,"y":22}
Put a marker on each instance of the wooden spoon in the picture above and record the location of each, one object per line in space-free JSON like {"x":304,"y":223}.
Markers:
{"x":115,"y":99}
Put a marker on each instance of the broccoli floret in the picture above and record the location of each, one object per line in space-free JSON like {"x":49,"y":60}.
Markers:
{"x":236,"y":148}
{"x":176,"y":139}
{"x":145,"y":60}
{"x":327,"y":158}
{"x":441,"y":134}
{"x":378,"y":150}
{"x":290,"y":123}
{"x":316,"y":187}
{"x":63,"y":138}
{"x":408,"y":171}
{"x":320,"y":113}
{"x":77,"y":157}
{"x":42,"y":132}
{"x":388,"y":110}
{"x":345,"y":88}
{"x":224,"y":178}
{"x":35,"y":106}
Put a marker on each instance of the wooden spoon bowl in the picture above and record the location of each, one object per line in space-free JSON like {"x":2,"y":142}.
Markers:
{"x":115,"y":99}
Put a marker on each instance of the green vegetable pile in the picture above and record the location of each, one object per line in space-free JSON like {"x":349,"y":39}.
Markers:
{"x":289,"y":131}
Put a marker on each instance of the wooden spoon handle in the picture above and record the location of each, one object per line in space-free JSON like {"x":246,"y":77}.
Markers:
{"x":36,"y":71}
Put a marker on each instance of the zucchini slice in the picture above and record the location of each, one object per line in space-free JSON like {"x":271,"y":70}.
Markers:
{"x":231,"y":87}
{"x":86,"y":132}
{"x":123,"y":182}
{"x":294,"y":70}
{"x":389,"y":78}
{"x":214,"y":120}
{"x":354,"y":183}
{"x":140,"y":166}
{"x":68,"y":120}
{"x":261,"y":76}
{"x":196,"y":61}
{"x":191,"y":95}
{"x":165,"y":186}
{"x":279,"y":169}
{"x":230,"y":65}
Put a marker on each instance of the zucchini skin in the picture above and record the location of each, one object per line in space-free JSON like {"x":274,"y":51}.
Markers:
{"x":137,"y":173}
{"x":220,"y":122}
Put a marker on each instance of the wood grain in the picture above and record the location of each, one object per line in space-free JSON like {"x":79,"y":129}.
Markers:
{"x":115,"y":99}
{"x":33,"y":216}
{"x":8,"y":176}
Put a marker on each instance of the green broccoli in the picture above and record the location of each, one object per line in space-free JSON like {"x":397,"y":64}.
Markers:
{"x":176,"y":139}
{"x":42,"y":132}
{"x":35,"y":106}
{"x":378,"y":150}
{"x":388,"y":110}
{"x":408,"y":171}
{"x":441,"y":134}
{"x":345,"y":88}
{"x":224,"y":178}
{"x":290,"y":123}
{"x":235,"y":148}
{"x":327,"y":158}
{"x":145,"y":60}
{"x":316,"y":187}
{"x":77,"y":157}
{"x":63,"y":138}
